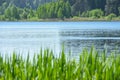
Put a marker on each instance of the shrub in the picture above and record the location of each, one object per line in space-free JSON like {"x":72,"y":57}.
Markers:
{"x":96,"y":13}
{"x":111,"y":16}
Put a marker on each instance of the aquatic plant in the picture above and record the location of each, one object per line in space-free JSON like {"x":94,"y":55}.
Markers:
{"x":45,"y":66}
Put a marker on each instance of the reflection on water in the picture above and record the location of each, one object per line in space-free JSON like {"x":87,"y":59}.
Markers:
{"x":24,"y":37}
{"x":76,"y":40}
{"x":27,"y":40}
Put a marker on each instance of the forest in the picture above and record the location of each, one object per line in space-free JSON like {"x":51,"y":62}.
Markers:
{"x":58,"y":9}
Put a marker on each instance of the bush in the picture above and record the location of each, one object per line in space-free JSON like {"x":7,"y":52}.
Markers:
{"x":2,"y":17}
{"x":85,"y":14}
{"x":96,"y":13}
{"x":111,"y":16}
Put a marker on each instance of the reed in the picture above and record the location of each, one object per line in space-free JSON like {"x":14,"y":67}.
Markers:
{"x":44,"y":66}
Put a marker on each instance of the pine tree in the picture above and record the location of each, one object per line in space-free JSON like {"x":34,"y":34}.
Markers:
{"x":60,"y":13}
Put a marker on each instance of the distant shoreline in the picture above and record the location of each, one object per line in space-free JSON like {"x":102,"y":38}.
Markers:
{"x":75,"y":19}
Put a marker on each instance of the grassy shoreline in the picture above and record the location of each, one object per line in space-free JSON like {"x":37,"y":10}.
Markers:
{"x":74,"y":19}
{"x":47,"y":67}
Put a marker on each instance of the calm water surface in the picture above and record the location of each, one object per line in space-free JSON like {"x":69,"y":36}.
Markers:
{"x":24,"y":37}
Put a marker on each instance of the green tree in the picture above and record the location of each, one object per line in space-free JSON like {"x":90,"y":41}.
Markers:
{"x":3,"y":7}
{"x":8,"y":14}
{"x":41,"y":12}
{"x":14,"y":12}
{"x":60,"y":13}
{"x":52,"y":11}
{"x":31,"y":14}
{"x":112,"y":7}
{"x":67,"y":10}
{"x":85,"y":14}
{"x":24,"y":14}
{"x":23,"y":9}
{"x":119,"y":10}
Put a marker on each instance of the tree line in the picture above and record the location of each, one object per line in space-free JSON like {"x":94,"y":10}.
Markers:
{"x":45,"y":9}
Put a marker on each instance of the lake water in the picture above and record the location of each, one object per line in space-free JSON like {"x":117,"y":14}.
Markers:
{"x":24,"y":37}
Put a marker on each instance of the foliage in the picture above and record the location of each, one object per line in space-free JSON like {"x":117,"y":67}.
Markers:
{"x":119,"y":10}
{"x":11,"y":13}
{"x":47,"y":9}
{"x":111,"y":16}
{"x":85,"y":14}
{"x":58,"y":9}
{"x":45,"y":66}
{"x":96,"y":13}
{"x":25,"y":3}
{"x":112,"y":7}
{"x":60,"y":14}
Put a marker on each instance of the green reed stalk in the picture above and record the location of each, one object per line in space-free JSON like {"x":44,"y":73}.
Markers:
{"x":92,"y":65}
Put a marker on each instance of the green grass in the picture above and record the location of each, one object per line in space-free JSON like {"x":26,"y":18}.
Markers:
{"x":44,"y":66}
